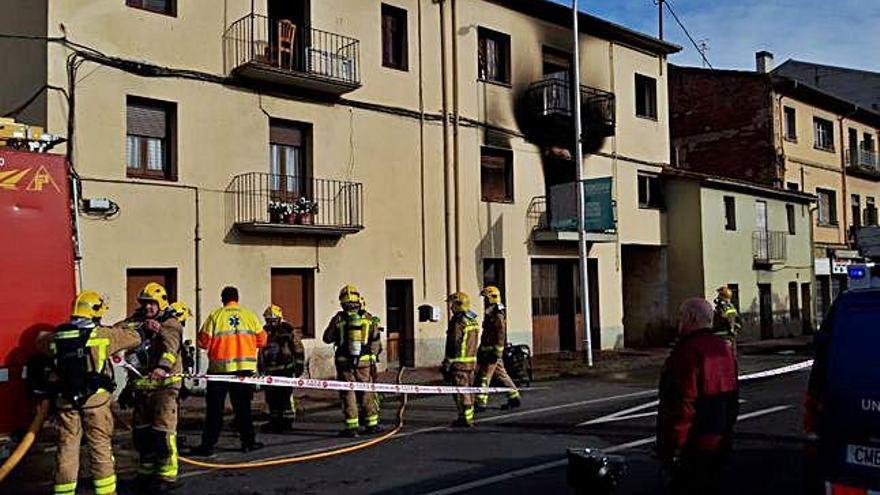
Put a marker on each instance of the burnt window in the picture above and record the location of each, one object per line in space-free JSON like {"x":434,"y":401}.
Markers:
{"x":729,"y":213}
{"x":150,"y":141}
{"x":650,"y":191}
{"x":394,"y":38}
{"x":496,"y":175}
{"x":646,"y":97}
{"x":167,"y":7}
{"x":493,"y":56}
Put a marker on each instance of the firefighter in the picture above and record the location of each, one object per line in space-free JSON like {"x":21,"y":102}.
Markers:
{"x":461,"y":354}
{"x":156,"y":367}
{"x":726,"y":322}
{"x":355,"y":334}
{"x":490,"y":356}
{"x":284,"y":355}
{"x":84,"y":382}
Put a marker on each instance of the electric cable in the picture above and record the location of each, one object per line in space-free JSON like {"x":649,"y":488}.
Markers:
{"x":687,"y":33}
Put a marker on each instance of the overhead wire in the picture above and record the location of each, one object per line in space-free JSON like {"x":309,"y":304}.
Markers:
{"x":687,"y":33}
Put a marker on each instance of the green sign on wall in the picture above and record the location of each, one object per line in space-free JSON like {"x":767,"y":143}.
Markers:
{"x":598,"y":206}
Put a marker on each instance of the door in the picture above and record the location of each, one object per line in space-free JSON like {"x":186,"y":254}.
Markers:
{"x":853,"y":147}
{"x":137,"y":278}
{"x":400,"y":322}
{"x":288,"y":161}
{"x":292,"y":289}
{"x":297,"y":12}
{"x":765,"y":301}
{"x":806,"y":308}
{"x":557,"y":322}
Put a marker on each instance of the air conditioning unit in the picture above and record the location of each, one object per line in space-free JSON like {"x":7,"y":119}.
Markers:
{"x":330,"y":64}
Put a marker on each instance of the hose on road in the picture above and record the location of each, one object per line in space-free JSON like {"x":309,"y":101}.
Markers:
{"x":27,"y":441}
{"x":315,"y":456}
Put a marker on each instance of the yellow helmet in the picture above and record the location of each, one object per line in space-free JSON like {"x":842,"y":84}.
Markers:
{"x":459,"y":302}
{"x":724,"y":292}
{"x":181,"y":311}
{"x":349,"y":294}
{"x":154,"y":292}
{"x":89,"y":304}
{"x":273,"y":312}
{"x":492,"y":294}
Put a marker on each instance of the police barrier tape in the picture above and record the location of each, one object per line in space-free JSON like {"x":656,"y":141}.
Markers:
{"x":316,"y":384}
{"x":778,"y":371}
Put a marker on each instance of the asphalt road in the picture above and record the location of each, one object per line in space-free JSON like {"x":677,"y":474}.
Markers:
{"x":523,"y":451}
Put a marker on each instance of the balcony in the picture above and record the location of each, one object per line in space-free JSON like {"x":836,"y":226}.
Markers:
{"x":862,"y":161}
{"x":559,"y":222}
{"x":769,"y":247}
{"x":547,"y":112}
{"x":287,"y":205}
{"x":311,"y":59}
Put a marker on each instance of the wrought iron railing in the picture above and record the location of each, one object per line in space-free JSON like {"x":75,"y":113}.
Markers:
{"x":257,"y":39}
{"x":863,"y":158}
{"x":551,"y":97}
{"x":769,"y":246}
{"x":260,"y":198}
{"x":536,"y":214}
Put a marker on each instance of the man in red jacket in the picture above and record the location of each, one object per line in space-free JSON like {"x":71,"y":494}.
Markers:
{"x":699,"y":403}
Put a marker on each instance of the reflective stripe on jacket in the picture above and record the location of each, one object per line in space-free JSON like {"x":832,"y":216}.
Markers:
{"x":232,"y":335}
{"x":494,"y":335}
{"x":461,"y":341}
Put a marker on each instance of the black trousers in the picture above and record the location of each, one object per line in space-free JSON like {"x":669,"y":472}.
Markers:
{"x":241,"y":396}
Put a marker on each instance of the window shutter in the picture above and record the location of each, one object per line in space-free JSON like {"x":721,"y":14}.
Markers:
{"x":286,"y":135}
{"x":146,"y":121}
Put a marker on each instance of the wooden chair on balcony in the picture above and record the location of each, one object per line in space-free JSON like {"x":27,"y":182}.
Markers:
{"x":286,"y":34}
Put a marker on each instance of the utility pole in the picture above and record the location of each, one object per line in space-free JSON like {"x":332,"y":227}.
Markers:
{"x":578,"y":160}
{"x":660,"y":16}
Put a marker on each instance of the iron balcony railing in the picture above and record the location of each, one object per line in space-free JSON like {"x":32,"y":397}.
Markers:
{"x":769,"y":246}
{"x":270,"y":199}
{"x":551,"y":98}
{"x":257,"y":39}
{"x":862,"y":158}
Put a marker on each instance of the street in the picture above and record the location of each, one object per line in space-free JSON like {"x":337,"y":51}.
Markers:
{"x":523,"y":451}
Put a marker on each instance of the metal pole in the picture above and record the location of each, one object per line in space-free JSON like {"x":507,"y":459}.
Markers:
{"x":578,"y":160}
{"x":660,"y":14}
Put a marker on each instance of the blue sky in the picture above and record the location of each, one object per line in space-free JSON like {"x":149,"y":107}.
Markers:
{"x":835,"y":32}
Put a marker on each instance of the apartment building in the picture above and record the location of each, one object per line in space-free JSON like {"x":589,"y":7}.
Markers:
{"x":780,"y":132}
{"x":409,"y":147}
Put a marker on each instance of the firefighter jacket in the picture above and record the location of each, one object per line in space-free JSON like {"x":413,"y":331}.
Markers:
{"x":232,"y":335}
{"x":494,"y":336}
{"x":158,"y":350}
{"x":103,"y":343}
{"x":699,"y":397}
{"x":356,"y":337}
{"x":284,"y":351}
{"x":461,"y":341}
{"x":727,"y":320}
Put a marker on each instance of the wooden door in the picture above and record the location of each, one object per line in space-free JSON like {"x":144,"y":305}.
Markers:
{"x":400,"y":322}
{"x":293,"y":291}
{"x":137,"y":278}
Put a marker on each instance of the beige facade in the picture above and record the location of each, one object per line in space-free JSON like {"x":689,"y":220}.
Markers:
{"x":387,"y":134}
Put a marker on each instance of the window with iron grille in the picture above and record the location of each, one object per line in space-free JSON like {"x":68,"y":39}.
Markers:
{"x":790,"y":124}
{"x":493,"y":56}
{"x":150,"y":142}
{"x":650,"y":192}
{"x":167,"y":7}
{"x":646,"y":97}
{"x":394,"y":38}
{"x":789,"y":214}
{"x":827,"y":206}
{"x":729,"y":213}
{"x":496,"y":175}
{"x":823,"y":134}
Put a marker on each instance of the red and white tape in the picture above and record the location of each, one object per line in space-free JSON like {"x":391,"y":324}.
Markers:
{"x":778,"y":371}
{"x":315,"y":384}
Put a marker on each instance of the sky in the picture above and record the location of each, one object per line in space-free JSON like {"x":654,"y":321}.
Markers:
{"x":833,"y":32}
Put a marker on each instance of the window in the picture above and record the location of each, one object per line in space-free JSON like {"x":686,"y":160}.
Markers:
{"x":853,"y":151}
{"x":288,"y":160}
{"x":856,"y":205}
{"x":646,"y":97}
{"x":293,"y":290}
{"x":167,"y":7}
{"x":823,"y":134}
{"x":394,"y":38}
{"x":793,"y":307}
{"x":493,"y":274}
{"x":789,"y":214}
{"x":827,"y":206}
{"x":650,"y":193}
{"x":729,"y":213}
{"x":150,"y":142}
{"x":494,"y":56}
{"x":137,"y":278}
{"x":496,"y":175}
{"x":734,"y":298}
{"x":793,"y":186}
{"x":868,"y":142}
{"x":870,"y":211}
{"x":790,"y":124}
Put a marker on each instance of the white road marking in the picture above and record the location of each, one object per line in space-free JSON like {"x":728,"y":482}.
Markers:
{"x":519,"y":473}
{"x":622,"y":415}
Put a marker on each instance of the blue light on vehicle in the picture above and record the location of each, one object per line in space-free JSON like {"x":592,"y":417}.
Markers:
{"x":856,"y":272}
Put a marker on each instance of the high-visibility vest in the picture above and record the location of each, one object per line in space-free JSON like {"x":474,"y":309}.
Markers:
{"x":232,"y":336}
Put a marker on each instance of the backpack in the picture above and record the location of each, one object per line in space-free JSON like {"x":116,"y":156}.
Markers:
{"x":78,"y":376}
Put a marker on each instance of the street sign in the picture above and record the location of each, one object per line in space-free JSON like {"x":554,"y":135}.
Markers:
{"x":598,"y":206}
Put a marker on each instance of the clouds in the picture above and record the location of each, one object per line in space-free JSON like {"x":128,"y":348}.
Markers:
{"x":837,"y":32}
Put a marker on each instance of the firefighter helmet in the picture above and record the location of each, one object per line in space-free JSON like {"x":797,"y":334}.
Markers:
{"x":492,"y":294}
{"x":273,"y":312}
{"x":89,"y":304}
{"x":724,"y":292}
{"x":156,"y":293}
{"x":180,"y":311}
{"x":459,"y":302}
{"x":349,"y":295}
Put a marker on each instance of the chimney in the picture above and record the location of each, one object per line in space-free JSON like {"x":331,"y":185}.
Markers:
{"x":764,"y":62}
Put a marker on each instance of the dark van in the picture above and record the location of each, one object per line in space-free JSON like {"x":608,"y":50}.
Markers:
{"x":843,"y":398}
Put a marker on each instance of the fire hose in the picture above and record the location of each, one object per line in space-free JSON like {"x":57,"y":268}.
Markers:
{"x":27,"y":441}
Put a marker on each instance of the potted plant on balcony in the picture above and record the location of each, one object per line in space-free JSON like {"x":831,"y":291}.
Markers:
{"x":281,"y":212}
{"x":304,"y":210}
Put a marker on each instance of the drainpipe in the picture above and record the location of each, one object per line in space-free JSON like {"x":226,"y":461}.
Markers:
{"x":422,"y":157}
{"x":814,"y":281}
{"x":447,"y":199}
{"x":456,"y":145}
